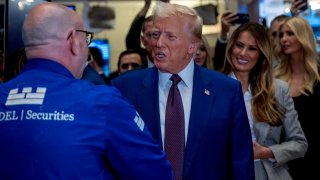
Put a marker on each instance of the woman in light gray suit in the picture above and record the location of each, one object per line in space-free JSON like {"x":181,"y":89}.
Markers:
{"x":276,"y":132}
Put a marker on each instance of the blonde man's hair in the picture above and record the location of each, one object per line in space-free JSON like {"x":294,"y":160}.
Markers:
{"x":164,"y":10}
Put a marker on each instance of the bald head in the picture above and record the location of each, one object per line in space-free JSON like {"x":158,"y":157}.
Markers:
{"x":48,"y":22}
{"x":53,"y":31}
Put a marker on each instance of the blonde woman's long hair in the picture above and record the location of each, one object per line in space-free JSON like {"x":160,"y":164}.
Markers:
{"x":209,"y":60}
{"x":304,"y":34}
{"x":265,"y":107}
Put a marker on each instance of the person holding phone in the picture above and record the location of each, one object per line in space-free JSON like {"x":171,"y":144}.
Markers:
{"x":228,"y":19}
{"x":226,"y":22}
{"x":298,"y":6}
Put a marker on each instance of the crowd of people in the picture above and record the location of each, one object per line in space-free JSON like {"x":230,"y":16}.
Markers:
{"x":171,"y":110}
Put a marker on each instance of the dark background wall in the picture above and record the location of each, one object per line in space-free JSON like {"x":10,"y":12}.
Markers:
{"x":1,"y":26}
{"x":14,"y":17}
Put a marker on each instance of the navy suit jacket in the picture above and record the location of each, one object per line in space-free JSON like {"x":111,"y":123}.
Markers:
{"x":219,"y":144}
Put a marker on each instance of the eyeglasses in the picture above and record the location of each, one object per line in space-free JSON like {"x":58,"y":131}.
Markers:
{"x":126,"y":65}
{"x":89,"y":35}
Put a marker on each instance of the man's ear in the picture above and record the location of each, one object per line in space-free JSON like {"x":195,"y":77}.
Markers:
{"x":74,"y":43}
{"x":193,"y":47}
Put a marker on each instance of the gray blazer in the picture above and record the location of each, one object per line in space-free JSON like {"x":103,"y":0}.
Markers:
{"x":287,"y":141}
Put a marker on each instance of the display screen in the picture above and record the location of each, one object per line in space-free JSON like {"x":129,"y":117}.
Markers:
{"x":104,"y":46}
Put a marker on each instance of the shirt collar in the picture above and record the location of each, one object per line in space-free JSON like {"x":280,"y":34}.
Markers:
{"x":247,"y":94}
{"x":232,"y":75}
{"x":186,"y":75}
{"x":47,"y":65}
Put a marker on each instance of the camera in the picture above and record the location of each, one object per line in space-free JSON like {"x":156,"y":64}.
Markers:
{"x":305,"y":7}
{"x":242,"y":18}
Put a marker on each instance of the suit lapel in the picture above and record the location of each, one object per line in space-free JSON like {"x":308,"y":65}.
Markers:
{"x":203,"y":93}
{"x":261,"y":131}
{"x":148,"y":103}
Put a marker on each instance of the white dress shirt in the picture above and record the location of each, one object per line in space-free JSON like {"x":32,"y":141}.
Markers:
{"x":248,"y":102}
{"x":185,"y":88}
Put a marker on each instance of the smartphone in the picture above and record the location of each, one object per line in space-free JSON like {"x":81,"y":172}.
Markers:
{"x":242,"y":18}
{"x":305,"y":7}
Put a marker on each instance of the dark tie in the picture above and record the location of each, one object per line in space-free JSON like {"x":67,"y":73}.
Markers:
{"x":174,"y":128}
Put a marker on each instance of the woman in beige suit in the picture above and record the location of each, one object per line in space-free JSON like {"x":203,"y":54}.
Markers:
{"x":276,"y":132}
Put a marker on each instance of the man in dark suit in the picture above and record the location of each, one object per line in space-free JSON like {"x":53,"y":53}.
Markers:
{"x":217,"y":138}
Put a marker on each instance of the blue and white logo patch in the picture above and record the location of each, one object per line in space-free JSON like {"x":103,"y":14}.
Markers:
{"x":138,"y":120}
{"x":26,"y":96}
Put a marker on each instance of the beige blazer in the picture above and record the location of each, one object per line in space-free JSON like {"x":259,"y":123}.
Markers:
{"x":287,"y":141}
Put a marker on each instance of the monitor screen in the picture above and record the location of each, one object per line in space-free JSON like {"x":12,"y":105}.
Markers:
{"x":104,"y":46}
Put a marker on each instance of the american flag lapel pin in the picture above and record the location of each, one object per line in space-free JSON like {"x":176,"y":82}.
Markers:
{"x":207,"y":92}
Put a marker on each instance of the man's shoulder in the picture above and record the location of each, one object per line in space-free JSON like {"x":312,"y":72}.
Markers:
{"x":217,"y":77}
{"x":134,"y":76}
{"x":93,"y":89}
{"x":58,"y":89}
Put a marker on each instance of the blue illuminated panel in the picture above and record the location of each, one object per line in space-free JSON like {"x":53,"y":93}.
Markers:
{"x":104,"y":46}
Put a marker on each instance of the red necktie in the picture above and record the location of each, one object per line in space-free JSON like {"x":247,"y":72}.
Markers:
{"x":174,"y":139}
